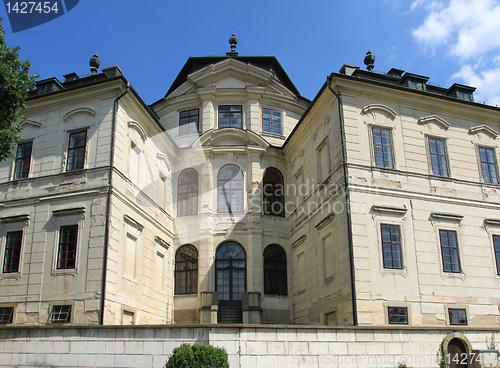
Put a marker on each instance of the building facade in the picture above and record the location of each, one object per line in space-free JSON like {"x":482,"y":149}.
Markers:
{"x":234,"y":199}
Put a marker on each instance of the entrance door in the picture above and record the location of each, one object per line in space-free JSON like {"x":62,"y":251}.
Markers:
{"x":230,"y":274}
{"x":458,"y":354}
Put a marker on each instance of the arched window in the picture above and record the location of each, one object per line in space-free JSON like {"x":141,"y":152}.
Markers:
{"x":230,"y":189}
{"x":186,"y":270}
{"x":275,"y":275}
{"x":273,"y":193}
{"x":187,"y":193}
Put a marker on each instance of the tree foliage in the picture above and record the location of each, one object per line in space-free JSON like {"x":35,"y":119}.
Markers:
{"x":198,"y":356}
{"x":15,"y":83}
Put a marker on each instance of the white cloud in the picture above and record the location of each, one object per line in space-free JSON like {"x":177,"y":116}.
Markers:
{"x":469,"y":28}
{"x":486,"y":81}
{"x":469,"y":32}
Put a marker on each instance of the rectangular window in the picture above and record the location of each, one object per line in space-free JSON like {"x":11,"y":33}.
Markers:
{"x":391,"y":246}
{"x":496,"y":243}
{"x":488,"y":165}
{"x":6,"y":315}
{"x":23,"y":160}
{"x":271,"y":121}
{"x":466,"y":96}
{"x":76,"y":150}
{"x":457,"y":316}
{"x":449,"y":251}
{"x":398,"y":315}
{"x":12,"y":256}
{"x":66,"y":255}
{"x":60,"y":314}
{"x":382,"y":145}
{"x":189,"y":121}
{"x":439,"y":162}
{"x":230,"y":116}
{"x":416,"y":85}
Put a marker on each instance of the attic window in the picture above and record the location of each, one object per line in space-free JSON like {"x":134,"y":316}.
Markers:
{"x":466,"y":96}
{"x":416,"y":85}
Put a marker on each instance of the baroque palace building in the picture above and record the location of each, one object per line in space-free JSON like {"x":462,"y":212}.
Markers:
{"x":233,"y":199}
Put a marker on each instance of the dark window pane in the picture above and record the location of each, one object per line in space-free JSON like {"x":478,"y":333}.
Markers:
{"x":60,"y":314}
{"x":186,"y":270}
{"x":438,"y":157}
{"x":273,"y":193}
{"x":449,"y":251}
{"x":23,"y":160}
{"x":488,"y":165}
{"x":12,"y":255}
{"x":457,"y":316}
{"x":76,"y":150}
{"x":496,"y":242}
{"x":275,"y":271}
{"x":398,"y":315}
{"x":391,"y":246}
{"x":6,"y":315}
{"x":66,"y":256}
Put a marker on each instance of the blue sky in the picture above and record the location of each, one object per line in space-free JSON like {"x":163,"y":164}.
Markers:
{"x":446,"y":40}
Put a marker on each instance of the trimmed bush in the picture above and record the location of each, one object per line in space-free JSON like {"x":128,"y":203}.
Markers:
{"x":197,"y":356}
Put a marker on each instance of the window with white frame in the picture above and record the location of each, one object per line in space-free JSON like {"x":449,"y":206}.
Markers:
{"x":271,"y":121}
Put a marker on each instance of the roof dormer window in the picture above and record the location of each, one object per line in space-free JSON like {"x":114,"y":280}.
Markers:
{"x":466,"y":96}
{"x":416,"y":85}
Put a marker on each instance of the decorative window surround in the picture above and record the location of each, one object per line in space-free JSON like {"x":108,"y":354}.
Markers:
{"x":390,"y":210}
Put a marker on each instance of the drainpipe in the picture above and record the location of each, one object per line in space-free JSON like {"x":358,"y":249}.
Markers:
{"x":108,"y":203}
{"x":347,"y":198}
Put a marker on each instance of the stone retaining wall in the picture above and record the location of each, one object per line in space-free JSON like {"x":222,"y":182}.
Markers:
{"x":248,"y":346}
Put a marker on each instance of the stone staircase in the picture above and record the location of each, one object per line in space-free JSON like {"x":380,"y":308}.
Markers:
{"x":229,"y":315}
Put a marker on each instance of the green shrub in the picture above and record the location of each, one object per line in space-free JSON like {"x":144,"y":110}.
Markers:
{"x":197,"y":356}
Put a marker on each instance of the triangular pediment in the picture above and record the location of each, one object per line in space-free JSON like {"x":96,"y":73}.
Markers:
{"x":231,"y":137}
{"x":231,"y":75}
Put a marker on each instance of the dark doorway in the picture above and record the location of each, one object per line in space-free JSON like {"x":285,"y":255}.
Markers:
{"x":458,"y":354}
{"x":230,"y":274}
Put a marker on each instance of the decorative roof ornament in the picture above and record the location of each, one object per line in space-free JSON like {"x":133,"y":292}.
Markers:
{"x":94,"y":63}
{"x":369,"y":60}
{"x":233,"y":41}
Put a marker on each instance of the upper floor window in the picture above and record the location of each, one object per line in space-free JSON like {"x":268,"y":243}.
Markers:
{"x":66,"y":255}
{"x":466,"y":96}
{"x":230,"y":189}
{"x":439,"y":162}
{"x":12,"y":255}
{"x":391,"y":246}
{"x":496,"y":243}
{"x":6,"y":315}
{"x":416,"y":85}
{"x":273,"y":193}
{"x":271,"y":121}
{"x":23,"y":160}
{"x":275,"y":274}
{"x":230,"y":116}
{"x":488,"y":165}
{"x":382,"y":146}
{"x":187,"y":193}
{"x":449,"y":251}
{"x":76,"y":150}
{"x":458,"y":316}
{"x":186,"y":270}
{"x":189,"y":121}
